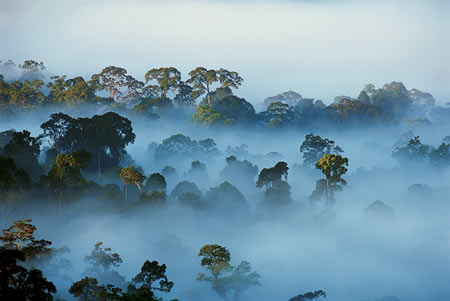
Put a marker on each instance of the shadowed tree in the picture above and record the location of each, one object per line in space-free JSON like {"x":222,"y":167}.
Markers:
{"x":314,"y":147}
{"x":151,"y":277}
{"x":103,"y":261}
{"x":309,"y":296}
{"x":25,"y":150}
{"x":414,"y":153}
{"x":157,"y":182}
{"x":18,"y":283}
{"x":86,"y":289}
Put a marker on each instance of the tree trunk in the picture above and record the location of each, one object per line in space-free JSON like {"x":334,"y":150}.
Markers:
{"x":236,"y":295}
{"x":207,"y":91}
{"x":328,"y":194}
{"x":99,"y":168}
{"x":60,"y":201}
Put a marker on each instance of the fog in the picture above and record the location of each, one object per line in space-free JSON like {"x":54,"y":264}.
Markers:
{"x":305,"y":45}
{"x":350,"y":253}
{"x":385,"y":236}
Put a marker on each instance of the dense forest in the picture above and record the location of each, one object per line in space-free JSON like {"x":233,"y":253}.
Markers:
{"x":175,"y":188}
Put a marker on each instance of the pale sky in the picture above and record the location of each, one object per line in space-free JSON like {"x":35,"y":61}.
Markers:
{"x":319,"y":48}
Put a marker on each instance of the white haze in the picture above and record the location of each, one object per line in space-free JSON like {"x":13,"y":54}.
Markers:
{"x":318,"y":48}
{"x":350,"y":255}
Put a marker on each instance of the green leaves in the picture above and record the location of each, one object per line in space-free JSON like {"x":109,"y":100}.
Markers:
{"x":131,"y":175}
{"x":168,"y":79}
{"x":224,"y":277}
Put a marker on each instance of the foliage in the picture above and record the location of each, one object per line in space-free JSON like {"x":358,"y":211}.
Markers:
{"x":333,"y":167}
{"x":309,"y":296}
{"x":120,"y":86}
{"x":168,"y":79}
{"x":104,"y":136}
{"x":223,"y":277}
{"x":225,"y":199}
{"x":18,"y":283}
{"x":102,"y":262}
{"x":157,"y":182}
{"x":180,"y":147}
{"x":208,"y":117}
{"x":269,"y":177}
{"x":24,"y":150}
{"x":314,"y":147}
{"x":413,"y":153}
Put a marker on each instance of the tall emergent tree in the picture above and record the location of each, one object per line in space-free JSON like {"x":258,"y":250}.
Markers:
{"x":225,"y":278}
{"x":66,"y":172}
{"x":130,"y":175}
{"x":202,"y":80}
{"x":333,"y":167}
{"x":168,"y":79}
{"x":120,"y":86}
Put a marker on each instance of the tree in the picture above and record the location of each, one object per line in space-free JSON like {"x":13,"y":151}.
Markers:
{"x":184,"y":95}
{"x":115,"y":80}
{"x":130,"y":175}
{"x":36,"y":253}
{"x":201,"y":80}
{"x":18,"y":283}
{"x":104,"y":136}
{"x":314,"y":147}
{"x":279,"y":114}
{"x":216,"y":259}
{"x":56,"y":130}
{"x":32,"y":70}
{"x":270,"y":176}
{"x":333,"y":167}
{"x":26,"y":94}
{"x":18,"y":235}
{"x":168,"y":79}
{"x":102,"y":261}
{"x":11,"y":177}
{"x":66,"y":172}
{"x":440,"y":157}
{"x":413,"y":153}
{"x":185,"y":187}
{"x":309,"y":296}
{"x":242,"y":278}
{"x":223,"y":277}
{"x":229,"y":79}
{"x":208,"y":117}
{"x":157,"y":182}
{"x":71,"y":92}
{"x":226,"y":199}
{"x":151,"y":273}
{"x":25,"y":150}
{"x":86,"y":289}
{"x":240,"y":173}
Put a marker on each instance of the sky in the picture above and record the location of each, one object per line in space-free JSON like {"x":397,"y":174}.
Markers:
{"x":319,"y":48}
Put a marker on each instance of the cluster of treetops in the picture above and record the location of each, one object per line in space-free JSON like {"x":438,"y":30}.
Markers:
{"x":165,"y":94}
{"x":81,"y":158}
{"x":24,"y":262}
